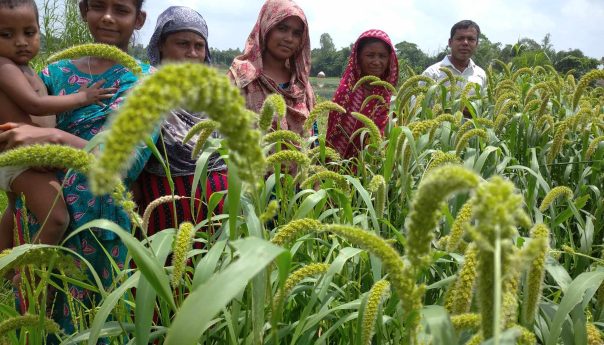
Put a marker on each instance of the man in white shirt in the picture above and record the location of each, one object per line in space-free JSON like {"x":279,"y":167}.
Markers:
{"x":463,"y":43}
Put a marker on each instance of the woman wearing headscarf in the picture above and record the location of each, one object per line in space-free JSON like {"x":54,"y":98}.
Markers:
{"x":181,"y":35}
{"x":372,"y":54}
{"x":276,"y":59}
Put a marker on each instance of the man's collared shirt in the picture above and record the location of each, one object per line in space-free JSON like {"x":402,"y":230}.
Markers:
{"x":472,"y":73}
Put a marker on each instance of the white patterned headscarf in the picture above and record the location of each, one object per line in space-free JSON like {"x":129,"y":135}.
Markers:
{"x":176,"y":19}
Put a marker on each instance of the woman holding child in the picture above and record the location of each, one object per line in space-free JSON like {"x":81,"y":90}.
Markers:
{"x":111,"y":22}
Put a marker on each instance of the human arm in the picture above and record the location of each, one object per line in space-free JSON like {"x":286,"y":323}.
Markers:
{"x":19,"y":134}
{"x":15,"y":85}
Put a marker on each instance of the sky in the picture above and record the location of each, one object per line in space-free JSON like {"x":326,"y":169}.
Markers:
{"x":572,"y":24}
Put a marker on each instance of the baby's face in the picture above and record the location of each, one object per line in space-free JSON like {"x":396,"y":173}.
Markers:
{"x":19,"y":34}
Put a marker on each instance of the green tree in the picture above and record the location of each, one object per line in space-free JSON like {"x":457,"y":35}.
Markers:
{"x":486,"y":52}
{"x":408,"y":53}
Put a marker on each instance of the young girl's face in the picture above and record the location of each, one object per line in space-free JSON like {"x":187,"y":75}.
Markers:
{"x":112,"y":21}
{"x":284,"y":40}
{"x":19,"y":34}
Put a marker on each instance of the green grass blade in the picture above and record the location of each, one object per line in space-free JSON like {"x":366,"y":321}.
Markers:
{"x":212,"y":296}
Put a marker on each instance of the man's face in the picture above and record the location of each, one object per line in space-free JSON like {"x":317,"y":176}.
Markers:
{"x":463,"y":44}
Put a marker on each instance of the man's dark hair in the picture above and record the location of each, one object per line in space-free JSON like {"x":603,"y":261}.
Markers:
{"x":18,"y":3}
{"x":464,"y":24}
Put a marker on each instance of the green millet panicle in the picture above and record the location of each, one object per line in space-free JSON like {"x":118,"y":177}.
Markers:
{"x":198,"y":127}
{"x":27,"y":320}
{"x":201,"y":140}
{"x":379,"y":292}
{"x":531,"y":106}
{"x":196,"y":87}
{"x":182,"y":245}
{"x":295,"y":278}
{"x":502,"y":99}
{"x":498,"y":211}
{"x":101,"y":50}
{"x":365,"y":80}
{"x":374,"y":244}
{"x":383,"y":84}
{"x":504,"y":66}
{"x":555,"y":193}
{"x":463,"y":142}
{"x":282,"y":135}
{"x":294,"y":229}
{"x":440,"y":158}
{"x":465,"y":321}
{"x":420,"y":127}
{"x":270,"y":212}
{"x":322,"y":108}
{"x":48,"y":156}
{"x":427,"y":81}
{"x":433,"y":190}
{"x":340,"y":181}
{"x":585,"y":81}
{"x":521,"y":71}
{"x":458,"y":298}
{"x":594,"y":336}
{"x":370,"y":98}
{"x":465,"y":93}
{"x":288,"y":156}
{"x":330,"y":154}
{"x":593,"y":146}
{"x":546,"y":119}
{"x":374,"y":133}
{"x":378,"y":187}
{"x":151,"y":207}
{"x":538,"y":247}
{"x":457,"y":230}
{"x":274,"y":104}
{"x":406,"y":96}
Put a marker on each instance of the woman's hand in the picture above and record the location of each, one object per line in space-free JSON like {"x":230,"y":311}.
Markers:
{"x":21,"y":134}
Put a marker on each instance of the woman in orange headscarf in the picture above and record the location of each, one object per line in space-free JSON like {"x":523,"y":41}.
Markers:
{"x":276,"y":59}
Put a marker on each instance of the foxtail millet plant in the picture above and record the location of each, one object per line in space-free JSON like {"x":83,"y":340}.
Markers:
{"x":555,"y":193}
{"x":458,"y":298}
{"x":539,"y":246}
{"x":101,"y":50}
{"x":48,"y":156}
{"x":196,"y":87}
{"x":294,"y":229}
{"x":24,"y":321}
{"x":432,"y":191}
{"x":377,"y":186}
{"x":463,"y":142}
{"x":182,"y":244}
{"x":274,"y":104}
{"x":498,"y":212}
{"x":458,"y":228}
{"x":322,"y":108}
{"x":378,"y":292}
{"x":294,"y":279}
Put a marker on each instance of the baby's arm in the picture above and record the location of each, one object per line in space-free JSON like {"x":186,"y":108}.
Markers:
{"x":16,"y":86}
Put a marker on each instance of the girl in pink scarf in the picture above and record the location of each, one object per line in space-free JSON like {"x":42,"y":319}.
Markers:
{"x":276,"y":59}
{"x":372,"y":54}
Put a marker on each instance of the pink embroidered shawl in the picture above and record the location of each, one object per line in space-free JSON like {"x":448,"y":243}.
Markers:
{"x":246,"y":71}
{"x":340,"y":127}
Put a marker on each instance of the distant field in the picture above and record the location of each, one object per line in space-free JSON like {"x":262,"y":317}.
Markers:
{"x":324,"y":87}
